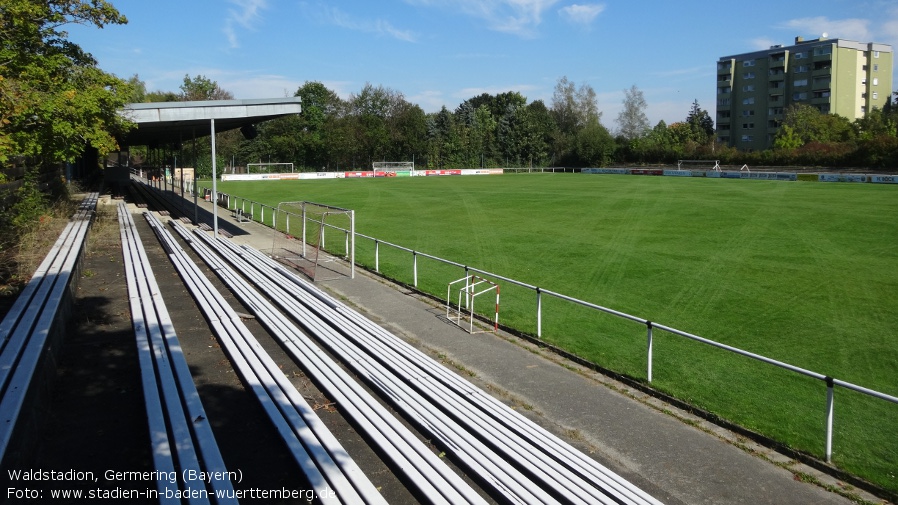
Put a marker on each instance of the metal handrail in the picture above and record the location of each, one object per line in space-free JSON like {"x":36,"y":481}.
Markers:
{"x":830,"y":381}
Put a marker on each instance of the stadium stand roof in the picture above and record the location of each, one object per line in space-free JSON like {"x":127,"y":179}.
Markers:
{"x":170,"y":122}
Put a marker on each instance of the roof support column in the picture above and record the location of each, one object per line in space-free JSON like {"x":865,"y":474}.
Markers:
{"x":214,"y":185}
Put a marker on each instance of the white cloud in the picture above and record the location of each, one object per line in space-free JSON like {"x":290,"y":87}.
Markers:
{"x":246,"y":15}
{"x":334,"y":16}
{"x":851,"y":29}
{"x":259,"y":86}
{"x":429,"y":100}
{"x":516,"y":17}
{"x":763,"y":43}
{"x":581,"y":14}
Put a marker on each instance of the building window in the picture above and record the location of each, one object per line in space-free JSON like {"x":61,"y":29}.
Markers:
{"x":774,"y":111}
{"x":747,"y":113}
{"x":876,"y":54}
{"x":750,"y":87}
{"x":876,"y":67}
{"x":801,"y":69}
{"x":748,"y":75}
{"x":875,"y":95}
{"x":748,"y":101}
{"x":747,"y":138}
{"x":748,"y":63}
{"x":723,"y":102}
{"x":821,"y":94}
{"x":724,"y":90}
{"x":876,"y":81}
{"x":821,"y":50}
{"x":748,"y":126}
{"x":799,"y":96}
{"x":800,"y":82}
{"x":799,"y":56}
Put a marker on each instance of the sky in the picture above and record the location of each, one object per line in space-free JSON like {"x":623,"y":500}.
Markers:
{"x":441,"y":52}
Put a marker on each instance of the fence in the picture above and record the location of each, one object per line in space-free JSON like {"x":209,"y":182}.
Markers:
{"x":272,"y":219}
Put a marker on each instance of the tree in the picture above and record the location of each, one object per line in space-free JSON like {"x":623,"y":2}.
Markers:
{"x":574,"y":108}
{"x":807,"y":124}
{"x":202,"y":88}
{"x":700,"y":123}
{"x":594,"y":145}
{"x":54,"y":100}
{"x":632,"y":120}
{"x":319,"y":110}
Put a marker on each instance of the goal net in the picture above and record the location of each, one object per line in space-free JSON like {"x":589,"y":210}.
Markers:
{"x":388,"y":166}
{"x":316,"y":239}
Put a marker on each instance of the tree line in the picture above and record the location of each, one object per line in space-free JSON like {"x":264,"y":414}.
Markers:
{"x":507,"y":130}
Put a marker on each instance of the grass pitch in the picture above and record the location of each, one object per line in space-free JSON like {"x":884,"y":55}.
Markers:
{"x":800,"y":272}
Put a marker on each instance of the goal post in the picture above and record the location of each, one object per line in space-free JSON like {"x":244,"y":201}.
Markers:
{"x":387,"y":166}
{"x":715,"y":164}
{"x":315,"y":238}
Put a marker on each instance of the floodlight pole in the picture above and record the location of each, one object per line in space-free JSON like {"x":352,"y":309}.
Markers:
{"x":214,"y":185}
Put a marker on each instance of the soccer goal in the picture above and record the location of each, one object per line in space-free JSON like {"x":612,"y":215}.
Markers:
{"x":269,"y":168}
{"x":715,"y":164}
{"x":316,"y":239}
{"x":393,"y":166}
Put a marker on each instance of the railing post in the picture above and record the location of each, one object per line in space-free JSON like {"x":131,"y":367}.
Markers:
{"x":830,"y":397}
{"x":539,"y":313}
{"x":376,"y":255}
{"x":415,"y":267}
{"x":648,"y":325}
{"x":352,"y":252}
{"x":303,"y":230}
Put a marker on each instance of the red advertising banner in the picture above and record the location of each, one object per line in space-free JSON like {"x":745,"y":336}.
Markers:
{"x":442,"y":172}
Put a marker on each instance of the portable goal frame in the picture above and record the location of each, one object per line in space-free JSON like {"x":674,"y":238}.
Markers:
{"x":470,"y":292}
{"x":302,"y":253}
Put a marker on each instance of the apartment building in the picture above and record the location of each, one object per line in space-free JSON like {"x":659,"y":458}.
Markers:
{"x":836,"y":76}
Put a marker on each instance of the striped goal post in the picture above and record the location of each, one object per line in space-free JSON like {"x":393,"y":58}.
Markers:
{"x":473,"y":287}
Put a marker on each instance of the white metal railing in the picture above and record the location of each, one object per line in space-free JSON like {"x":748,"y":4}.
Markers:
{"x":650,"y":326}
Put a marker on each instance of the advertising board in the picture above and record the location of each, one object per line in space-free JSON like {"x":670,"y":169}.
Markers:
{"x":843,"y":178}
{"x":618,"y":171}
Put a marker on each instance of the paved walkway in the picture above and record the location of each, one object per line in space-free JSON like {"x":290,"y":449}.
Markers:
{"x":634,"y":435}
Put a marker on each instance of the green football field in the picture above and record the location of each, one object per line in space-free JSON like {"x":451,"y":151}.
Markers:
{"x":801,"y":272}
